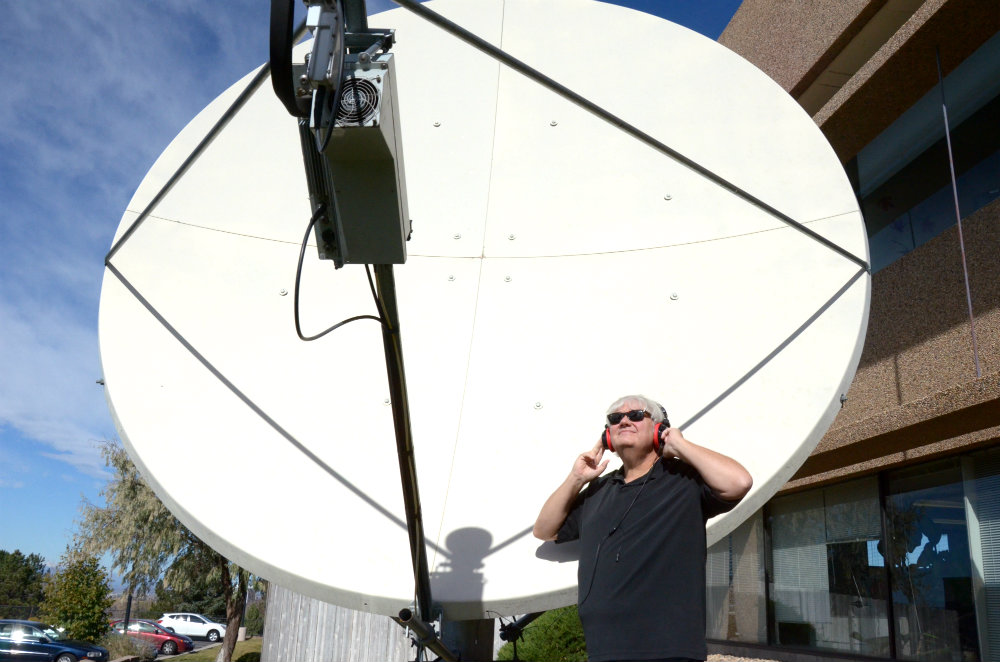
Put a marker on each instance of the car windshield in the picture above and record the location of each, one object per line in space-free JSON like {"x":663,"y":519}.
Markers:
{"x":52,"y":633}
{"x":160,"y":628}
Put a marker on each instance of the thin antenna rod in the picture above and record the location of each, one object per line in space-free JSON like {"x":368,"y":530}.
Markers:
{"x":958,"y":215}
{"x":213,"y":133}
{"x":568,"y":94}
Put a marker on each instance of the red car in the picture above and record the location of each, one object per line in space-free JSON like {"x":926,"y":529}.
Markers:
{"x":165,"y":641}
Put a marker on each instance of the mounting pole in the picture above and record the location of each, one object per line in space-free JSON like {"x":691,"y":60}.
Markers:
{"x":385,"y":285}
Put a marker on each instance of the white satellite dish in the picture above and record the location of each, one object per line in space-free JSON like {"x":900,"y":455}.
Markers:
{"x":556,"y":263}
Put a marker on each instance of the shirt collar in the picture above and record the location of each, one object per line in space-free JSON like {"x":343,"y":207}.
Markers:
{"x":618,"y":475}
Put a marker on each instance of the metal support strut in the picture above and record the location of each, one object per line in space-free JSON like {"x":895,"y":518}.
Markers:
{"x":385,"y":286}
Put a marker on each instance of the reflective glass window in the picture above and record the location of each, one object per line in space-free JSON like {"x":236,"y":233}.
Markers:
{"x":981,"y":473}
{"x":828,"y":582}
{"x":904,"y":180}
{"x":735,"y":585}
{"x":928,"y":556}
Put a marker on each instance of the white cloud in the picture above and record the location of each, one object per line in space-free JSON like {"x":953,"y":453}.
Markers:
{"x":92,"y":93}
{"x":49,"y":392}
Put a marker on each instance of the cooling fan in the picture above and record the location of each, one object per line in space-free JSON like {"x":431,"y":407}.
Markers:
{"x":359,"y":101}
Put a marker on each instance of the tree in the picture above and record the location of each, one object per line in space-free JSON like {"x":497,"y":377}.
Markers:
{"x":20,"y":583}
{"x":78,"y":595}
{"x":255,"y":618}
{"x":230,"y":580}
{"x":147,"y":543}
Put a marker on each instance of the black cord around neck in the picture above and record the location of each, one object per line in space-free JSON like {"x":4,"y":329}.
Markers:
{"x":597,"y":553}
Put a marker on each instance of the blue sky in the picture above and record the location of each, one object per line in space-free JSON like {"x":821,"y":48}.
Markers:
{"x":93,"y":92}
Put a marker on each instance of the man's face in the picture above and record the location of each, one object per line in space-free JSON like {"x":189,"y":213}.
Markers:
{"x":632,"y":434}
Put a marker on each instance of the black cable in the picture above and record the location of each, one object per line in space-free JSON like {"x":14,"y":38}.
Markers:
{"x":610,"y":533}
{"x":282,"y":39}
{"x":320,"y":211}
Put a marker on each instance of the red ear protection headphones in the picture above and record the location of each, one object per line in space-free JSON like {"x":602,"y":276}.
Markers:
{"x":660,"y":428}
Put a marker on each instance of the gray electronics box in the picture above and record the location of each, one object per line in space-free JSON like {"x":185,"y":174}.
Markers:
{"x":365,"y":158}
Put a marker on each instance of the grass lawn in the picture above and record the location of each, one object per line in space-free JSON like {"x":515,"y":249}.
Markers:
{"x":242,"y":648}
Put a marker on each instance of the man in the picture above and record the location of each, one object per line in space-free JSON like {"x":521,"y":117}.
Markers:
{"x":641,"y":578}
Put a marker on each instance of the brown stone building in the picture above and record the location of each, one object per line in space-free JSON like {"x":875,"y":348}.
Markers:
{"x":886,"y":543}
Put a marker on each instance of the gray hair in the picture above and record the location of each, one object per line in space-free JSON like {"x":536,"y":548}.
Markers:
{"x":655,"y":409}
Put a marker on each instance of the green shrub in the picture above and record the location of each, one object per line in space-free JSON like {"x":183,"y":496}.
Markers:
{"x":254,"y":621}
{"x":77,"y":595}
{"x":252,"y":656}
{"x":555,"y":636}
{"x":119,"y":645}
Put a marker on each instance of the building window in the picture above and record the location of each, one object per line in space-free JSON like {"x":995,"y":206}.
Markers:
{"x":981,"y":475}
{"x":929,"y":559}
{"x":828,"y":585}
{"x":932,"y":215}
{"x":830,"y":567}
{"x":903,"y":175}
{"x":734,"y":584}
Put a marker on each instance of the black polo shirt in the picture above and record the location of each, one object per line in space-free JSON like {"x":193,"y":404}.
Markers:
{"x":642,"y":588}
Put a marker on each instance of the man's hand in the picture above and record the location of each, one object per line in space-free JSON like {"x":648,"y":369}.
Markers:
{"x":588,"y":466}
{"x":727,"y":477}
{"x":670,"y":440}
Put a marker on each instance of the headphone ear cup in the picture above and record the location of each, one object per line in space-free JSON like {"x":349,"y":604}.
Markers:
{"x":658,"y":438}
{"x":606,"y":438}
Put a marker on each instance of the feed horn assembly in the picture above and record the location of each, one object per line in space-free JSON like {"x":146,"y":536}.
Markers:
{"x":345,"y":98}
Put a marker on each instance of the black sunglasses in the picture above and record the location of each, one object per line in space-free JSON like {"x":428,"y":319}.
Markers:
{"x":635,"y":416}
